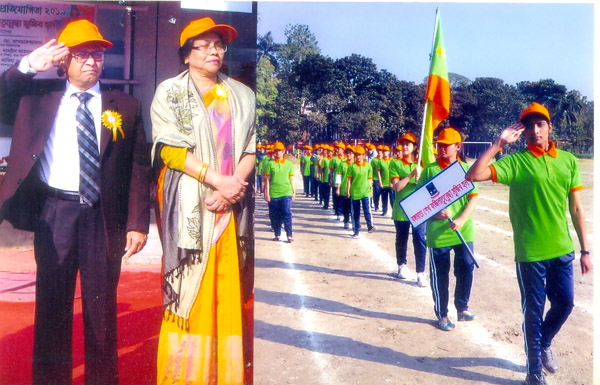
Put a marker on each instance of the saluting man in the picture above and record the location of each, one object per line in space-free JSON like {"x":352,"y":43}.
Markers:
{"x":79,"y":177}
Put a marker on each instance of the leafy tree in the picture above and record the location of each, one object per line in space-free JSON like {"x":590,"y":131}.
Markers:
{"x":267,"y":48}
{"x":300,"y":44}
{"x":266,"y":95}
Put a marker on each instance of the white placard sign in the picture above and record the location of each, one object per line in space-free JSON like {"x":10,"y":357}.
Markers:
{"x":436,"y":194}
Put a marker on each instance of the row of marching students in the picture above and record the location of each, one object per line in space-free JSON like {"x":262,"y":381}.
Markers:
{"x":356,"y":180}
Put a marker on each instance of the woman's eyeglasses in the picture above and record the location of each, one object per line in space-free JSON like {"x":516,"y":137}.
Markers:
{"x":207,"y":48}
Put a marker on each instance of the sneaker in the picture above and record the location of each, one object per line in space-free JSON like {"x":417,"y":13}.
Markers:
{"x":421,"y":281}
{"x":383,"y":214}
{"x":372,"y":229}
{"x":445,"y":325}
{"x":402,"y":271}
{"x":535,"y":379}
{"x":276,"y":239}
{"x":355,"y":236}
{"x":466,"y":316}
{"x":548,"y":360}
{"x":290,"y":239}
{"x":339,"y":218}
{"x":346,"y":225}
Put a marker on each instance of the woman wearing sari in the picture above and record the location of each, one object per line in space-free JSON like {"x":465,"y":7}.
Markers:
{"x":204,"y":145}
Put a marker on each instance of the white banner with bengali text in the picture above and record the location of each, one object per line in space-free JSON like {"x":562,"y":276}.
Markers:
{"x":436,"y":194}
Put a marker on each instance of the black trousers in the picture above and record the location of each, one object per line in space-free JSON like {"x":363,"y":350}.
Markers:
{"x":70,"y":237}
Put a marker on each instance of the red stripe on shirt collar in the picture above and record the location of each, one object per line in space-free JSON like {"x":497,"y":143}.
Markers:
{"x":538,"y":151}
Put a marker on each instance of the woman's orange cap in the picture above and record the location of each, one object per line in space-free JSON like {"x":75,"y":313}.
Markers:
{"x":360,"y":150}
{"x":82,"y":31}
{"x":206,"y":24}
{"x":449,"y":135}
{"x":534,"y":108}
{"x":409,"y":136}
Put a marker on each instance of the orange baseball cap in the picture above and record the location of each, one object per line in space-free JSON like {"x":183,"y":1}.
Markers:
{"x":278,"y":146}
{"x":308,"y":147}
{"x":206,"y":24}
{"x":341,"y":145}
{"x":409,"y":136}
{"x":449,"y":136}
{"x":360,"y":150}
{"x":379,"y":147}
{"x":82,"y":31}
{"x":350,"y":148}
{"x":385,"y":147}
{"x":399,"y":147}
{"x":534,"y":108}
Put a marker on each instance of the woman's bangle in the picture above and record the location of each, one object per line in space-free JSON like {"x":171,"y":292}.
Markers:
{"x":201,"y":174}
{"x":585,"y":252}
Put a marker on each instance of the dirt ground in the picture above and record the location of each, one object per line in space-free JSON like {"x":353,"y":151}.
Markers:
{"x":330,"y":311}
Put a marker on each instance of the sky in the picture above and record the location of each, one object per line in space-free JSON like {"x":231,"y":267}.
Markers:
{"x":513,"y":42}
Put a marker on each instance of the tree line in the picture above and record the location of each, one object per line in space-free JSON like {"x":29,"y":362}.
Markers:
{"x":303,"y":95}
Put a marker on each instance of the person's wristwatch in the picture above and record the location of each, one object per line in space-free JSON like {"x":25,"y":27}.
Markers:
{"x":585,"y":252}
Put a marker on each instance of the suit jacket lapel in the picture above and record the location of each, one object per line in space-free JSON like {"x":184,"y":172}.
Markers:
{"x":108,"y":103}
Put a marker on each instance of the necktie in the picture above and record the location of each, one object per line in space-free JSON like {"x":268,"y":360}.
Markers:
{"x":89,"y":158}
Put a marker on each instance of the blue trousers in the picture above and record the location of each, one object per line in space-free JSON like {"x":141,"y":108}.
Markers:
{"x":386,"y":196}
{"x":258,"y":182}
{"x":346,"y":207}
{"x":314,"y":187}
{"x":325,"y":190}
{"x":418,"y":240}
{"x":552,"y":278}
{"x":376,"y":194}
{"x":439,"y":269}
{"x":356,"y":203}
{"x":281,"y":213}
{"x":306,"y":179}
{"x":337,"y":205}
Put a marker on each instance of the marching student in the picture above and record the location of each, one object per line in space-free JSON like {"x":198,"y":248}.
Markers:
{"x":543,"y":181}
{"x":360,"y":189}
{"x":280,"y":192}
{"x":404,"y":175}
{"x":441,"y":238}
{"x":376,"y":186}
{"x":339,"y":158}
{"x":305,"y":166}
{"x":383,"y":174}
{"x":341,"y":182}
{"x":324,"y":171}
{"x":314,"y":172}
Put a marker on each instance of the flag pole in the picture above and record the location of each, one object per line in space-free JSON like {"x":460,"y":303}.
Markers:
{"x":425,"y":109}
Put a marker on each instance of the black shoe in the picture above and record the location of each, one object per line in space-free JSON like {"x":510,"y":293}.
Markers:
{"x":535,"y":379}
{"x":548,"y":360}
{"x":276,"y":239}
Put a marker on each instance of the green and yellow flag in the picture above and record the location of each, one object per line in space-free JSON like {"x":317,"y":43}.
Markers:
{"x":437,"y":97}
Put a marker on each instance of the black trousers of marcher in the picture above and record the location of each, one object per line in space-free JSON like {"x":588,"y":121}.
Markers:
{"x":70,"y":237}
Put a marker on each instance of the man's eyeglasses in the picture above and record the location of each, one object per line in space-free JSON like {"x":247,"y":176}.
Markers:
{"x":83,"y":56}
{"x":207,"y":48}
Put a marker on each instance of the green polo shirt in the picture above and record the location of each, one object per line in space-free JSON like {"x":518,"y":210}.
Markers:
{"x":540,"y":184}
{"x":305,"y":162}
{"x":325,"y":170}
{"x":398,"y":170}
{"x":384,"y":170}
{"x":438,"y":233}
{"x":342,"y":171}
{"x":280,"y":178}
{"x":359,"y":176}
{"x":375,"y":165}
{"x":333,"y":165}
{"x":261,"y":166}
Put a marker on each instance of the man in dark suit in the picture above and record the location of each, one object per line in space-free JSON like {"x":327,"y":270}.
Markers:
{"x":79,"y":177}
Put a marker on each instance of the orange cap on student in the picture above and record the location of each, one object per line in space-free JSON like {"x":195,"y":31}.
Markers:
{"x":341,"y":145}
{"x":385,"y":147}
{"x":360,"y":150}
{"x":82,"y":31}
{"x":534,"y":108}
{"x":278,"y":146}
{"x":409,"y":136}
{"x":308,"y":147}
{"x":206,"y":24}
{"x":399,"y":147}
{"x":350,"y":148}
{"x":449,"y":135}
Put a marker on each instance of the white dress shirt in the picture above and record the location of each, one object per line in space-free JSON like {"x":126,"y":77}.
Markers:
{"x":60,"y":159}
